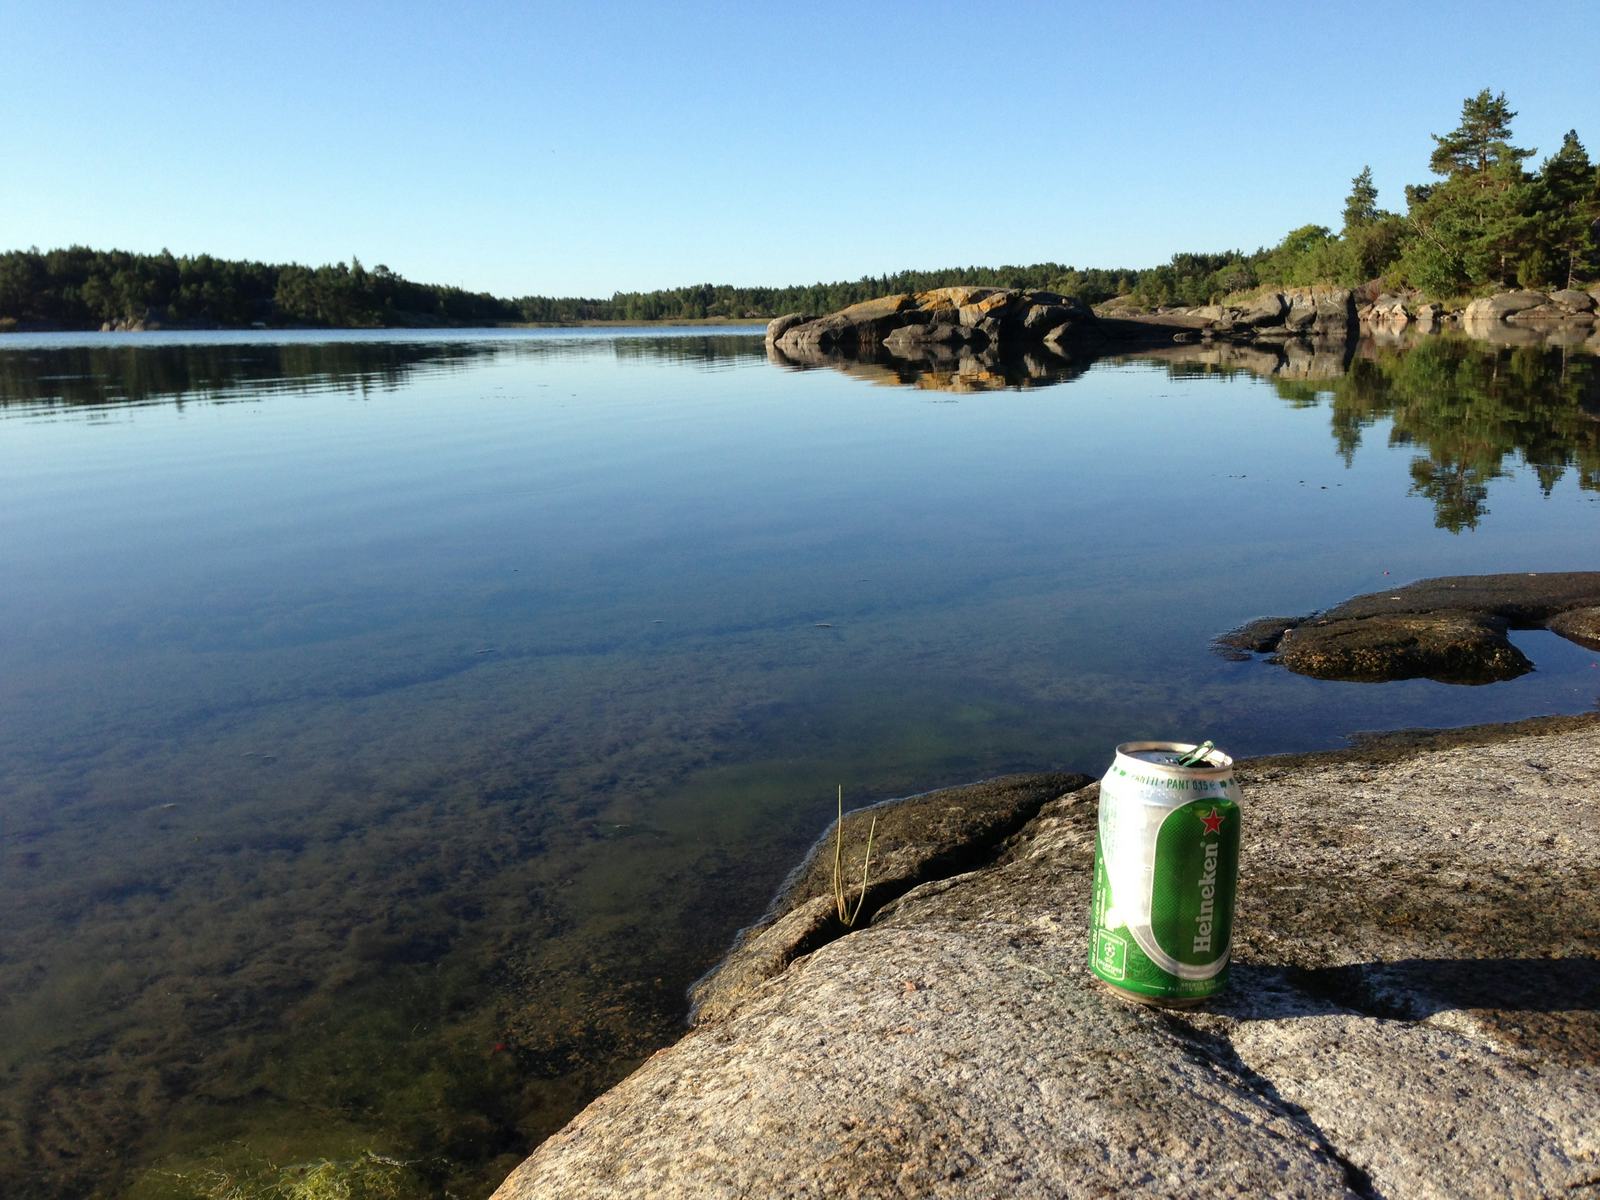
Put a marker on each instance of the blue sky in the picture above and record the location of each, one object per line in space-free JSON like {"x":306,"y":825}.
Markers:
{"x":584,"y":149}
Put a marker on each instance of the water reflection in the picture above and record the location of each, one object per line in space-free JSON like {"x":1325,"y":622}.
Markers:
{"x":1473,"y":409}
{"x":145,"y":370}
{"x":707,"y":352}
{"x":96,"y":376}
{"x":1474,"y":413}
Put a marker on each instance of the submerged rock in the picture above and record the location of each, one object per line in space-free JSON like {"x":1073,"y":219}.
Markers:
{"x":1451,"y":629}
{"x":1412,"y":1013}
{"x":1447,"y":647}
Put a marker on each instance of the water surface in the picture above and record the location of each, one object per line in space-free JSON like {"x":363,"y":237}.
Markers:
{"x":392,"y":726}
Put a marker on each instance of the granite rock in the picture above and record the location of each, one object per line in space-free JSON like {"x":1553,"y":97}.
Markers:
{"x":914,"y":839}
{"x":1573,"y":300}
{"x":1412,"y":1014}
{"x":1490,"y":309}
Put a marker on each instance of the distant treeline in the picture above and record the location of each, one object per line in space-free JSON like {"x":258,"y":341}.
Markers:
{"x":83,"y":288}
{"x":1486,"y":223}
{"x":722,"y":300}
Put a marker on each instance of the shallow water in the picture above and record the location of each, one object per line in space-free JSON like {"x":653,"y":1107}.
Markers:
{"x":392,"y":727}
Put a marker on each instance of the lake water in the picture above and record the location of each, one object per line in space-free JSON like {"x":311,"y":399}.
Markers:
{"x":393,"y":725}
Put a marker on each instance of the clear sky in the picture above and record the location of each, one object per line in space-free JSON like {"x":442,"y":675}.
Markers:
{"x":587,"y":148}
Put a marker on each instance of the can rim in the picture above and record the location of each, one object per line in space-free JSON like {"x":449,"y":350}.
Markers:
{"x":1219,"y":763}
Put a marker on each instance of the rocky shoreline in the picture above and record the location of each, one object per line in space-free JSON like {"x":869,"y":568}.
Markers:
{"x":1413,"y":1011}
{"x":988,"y":337}
{"x":1567,"y":315}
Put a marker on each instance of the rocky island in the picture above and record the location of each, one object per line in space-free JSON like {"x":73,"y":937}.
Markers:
{"x":981,"y":338}
{"x":1013,"y":321}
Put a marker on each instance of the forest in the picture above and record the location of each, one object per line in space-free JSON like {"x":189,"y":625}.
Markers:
{"x":1484,"y":222}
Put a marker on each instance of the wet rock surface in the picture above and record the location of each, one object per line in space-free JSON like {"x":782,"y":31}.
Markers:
{"x":1581,"y":625}
{"x":1448,"y":647}
{"x":1452,"y":629}
{"x":1413,"y":1013}
{"x":1260,"y":636}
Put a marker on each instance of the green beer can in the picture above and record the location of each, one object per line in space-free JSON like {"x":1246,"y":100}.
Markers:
{"x":1166,"y":870}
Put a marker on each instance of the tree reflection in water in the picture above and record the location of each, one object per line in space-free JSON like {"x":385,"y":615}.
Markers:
{"x":1471,"y":409}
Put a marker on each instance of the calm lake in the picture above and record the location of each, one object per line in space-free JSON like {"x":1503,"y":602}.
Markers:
{"x":392,"y":726}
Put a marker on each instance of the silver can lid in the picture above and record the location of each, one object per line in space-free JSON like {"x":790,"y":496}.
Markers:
{"x":1164,"y":756}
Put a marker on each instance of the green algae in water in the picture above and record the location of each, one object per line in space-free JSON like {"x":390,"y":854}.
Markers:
{"x":368,"y":1176}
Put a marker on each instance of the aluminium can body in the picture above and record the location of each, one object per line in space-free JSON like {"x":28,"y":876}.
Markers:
{"x":1166,"y":868}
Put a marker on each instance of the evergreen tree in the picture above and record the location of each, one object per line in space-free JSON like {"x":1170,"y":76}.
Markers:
{"x":1566,"y":204}
{"x":1371,"y":240}
{"x":1361,"y":205}
{"x":1473,"y":229}
{"x":1481,"y":142}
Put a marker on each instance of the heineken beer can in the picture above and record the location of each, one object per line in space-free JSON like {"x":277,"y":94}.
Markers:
{"x":1166,"y":866}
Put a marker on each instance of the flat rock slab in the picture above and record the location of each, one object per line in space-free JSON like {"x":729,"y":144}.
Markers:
{"x":1451,"y":629}
{"x":1581,"y":625}
{"x":1413,"y":1013}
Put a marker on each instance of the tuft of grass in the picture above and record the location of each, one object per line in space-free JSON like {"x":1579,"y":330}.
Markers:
{"x":841,"y":902}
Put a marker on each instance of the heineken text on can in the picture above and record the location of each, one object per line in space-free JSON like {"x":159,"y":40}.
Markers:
{"x":1166,"y":866}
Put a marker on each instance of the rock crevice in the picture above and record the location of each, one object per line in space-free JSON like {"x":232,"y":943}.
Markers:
{"x":916,"y":840}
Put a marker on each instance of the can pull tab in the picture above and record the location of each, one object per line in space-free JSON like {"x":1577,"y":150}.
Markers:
{"x":1198,"y":755}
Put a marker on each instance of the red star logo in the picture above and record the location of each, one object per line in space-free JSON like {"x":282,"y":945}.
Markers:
{"x":1212,"y":821}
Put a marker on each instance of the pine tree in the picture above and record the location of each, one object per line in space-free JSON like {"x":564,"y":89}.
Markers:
{"x":1567,"y":208}
{"x":1473,"y":229}
{"x":1481,"y":142}
{"x":1361,"y":205}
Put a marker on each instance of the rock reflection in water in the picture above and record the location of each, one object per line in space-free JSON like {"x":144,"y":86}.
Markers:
{"x":939,"y":368}
{"x":1473,"y":408}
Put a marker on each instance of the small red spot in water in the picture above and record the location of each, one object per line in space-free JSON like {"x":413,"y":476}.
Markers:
{"x":499,"y":1048}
